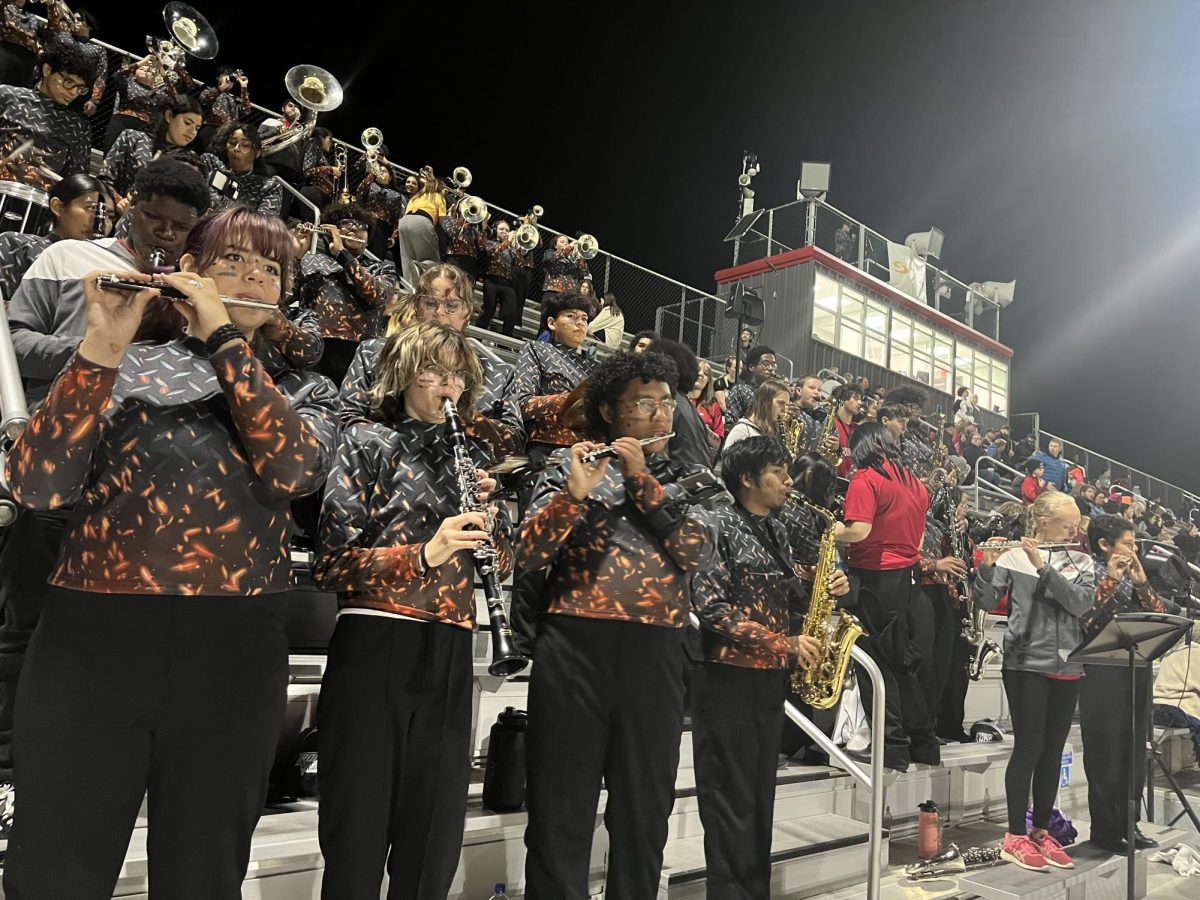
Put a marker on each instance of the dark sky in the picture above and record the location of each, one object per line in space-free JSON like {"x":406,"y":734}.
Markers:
{"x":1054,"y":142}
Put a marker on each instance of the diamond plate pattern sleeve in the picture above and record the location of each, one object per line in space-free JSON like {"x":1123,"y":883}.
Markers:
{"x":666,"y":512}
{"x":288,"y":443}
{"x":372,"y":284}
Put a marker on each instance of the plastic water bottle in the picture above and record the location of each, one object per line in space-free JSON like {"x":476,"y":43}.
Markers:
{"x":928,"y":837}
{"x":499,"y":894}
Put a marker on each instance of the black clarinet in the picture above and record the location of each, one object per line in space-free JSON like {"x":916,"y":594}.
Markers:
{"x":506,"y":660}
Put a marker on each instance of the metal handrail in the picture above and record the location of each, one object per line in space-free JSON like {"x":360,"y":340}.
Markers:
{"x":991,"y":488}
{"x":1112,"y":462}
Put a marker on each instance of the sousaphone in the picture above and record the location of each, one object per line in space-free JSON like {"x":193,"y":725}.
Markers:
{"x":315,"y":90}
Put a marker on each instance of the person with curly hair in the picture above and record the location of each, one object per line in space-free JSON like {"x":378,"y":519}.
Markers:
{"x":61,"y":137}
{"x":619,"y":541}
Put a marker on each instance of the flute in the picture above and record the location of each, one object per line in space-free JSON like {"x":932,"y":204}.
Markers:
{"x":117,"y":283}
{"x":1010,"y":545}
{"x":608,"y":452}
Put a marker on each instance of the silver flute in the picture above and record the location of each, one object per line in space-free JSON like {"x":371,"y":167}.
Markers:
{"x":1010,"y":545}
{"x":117,"y":283}
{"x":608,"y":452}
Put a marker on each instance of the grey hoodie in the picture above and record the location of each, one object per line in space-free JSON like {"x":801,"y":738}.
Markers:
{"x":1043,"y":610}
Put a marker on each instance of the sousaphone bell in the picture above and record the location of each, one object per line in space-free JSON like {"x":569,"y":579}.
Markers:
{"x":315,"y":90}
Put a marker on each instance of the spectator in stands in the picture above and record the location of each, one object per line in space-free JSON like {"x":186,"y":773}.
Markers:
{"x":960,"y":397}
{"x":844,"y":245}
{"x":1076,"y":474}
{"x":1104,"y":695}
{"x":703,"y":398}
{"x":236,"y":155}
{"x":747,"y":340}
{"x":643,"y":340}
{"x":727,"y":380}
{"x":588,"y":293}
{"x":416,"y":232}
{"x":346,"y":286}
{"x":609,"y":324}
{"x":1048,"y":592}
{"x":18,"y":43}
{"x":1034,"y":484}
{"x":1055,"y":465}
{"x":1177,"y":689}
{"x":1187,"y":539}
{"x":1085,"y":499}
{"x":690,"y":442}
{"x":768,"y":405}
{"x":62,"y":136}
{"x":134,"y":147}
{"x":760,"y":366}
{"x":73,"y":203}
{"x":322,"y":174}
{"x":76,"y":29}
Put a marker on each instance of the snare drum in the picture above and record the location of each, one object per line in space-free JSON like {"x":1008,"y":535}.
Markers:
{"x":24,"y":208}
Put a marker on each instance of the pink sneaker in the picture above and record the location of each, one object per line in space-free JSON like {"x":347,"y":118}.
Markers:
{"x":1019,"y":849}
{"x":1053,"y":852}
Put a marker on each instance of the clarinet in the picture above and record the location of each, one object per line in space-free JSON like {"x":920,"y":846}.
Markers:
{"x":506,"y":660}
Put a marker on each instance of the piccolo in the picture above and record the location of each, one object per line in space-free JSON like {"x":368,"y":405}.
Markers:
{"x":1011,"y":545}
{"x":117,"y":283}
{"x":608,"y":452}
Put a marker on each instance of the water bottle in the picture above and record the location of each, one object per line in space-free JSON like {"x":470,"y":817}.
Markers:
{"x":499,"y":894}
{"x":504,"y":774}
{"x":927,"y":830}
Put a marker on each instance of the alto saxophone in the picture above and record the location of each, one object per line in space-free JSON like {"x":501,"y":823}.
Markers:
{"x":791,"y":432}
{"x":821,"y":686}
{"x":833,"y":457}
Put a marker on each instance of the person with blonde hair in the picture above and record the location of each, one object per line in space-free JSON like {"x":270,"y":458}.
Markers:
{"x":395,"y":708}
{"x":770,"y":401}
{"x":1049,"y":589}
{"x":416,"y":232}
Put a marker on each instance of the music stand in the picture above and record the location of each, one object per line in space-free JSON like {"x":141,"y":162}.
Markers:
{"x":1134,"y":640}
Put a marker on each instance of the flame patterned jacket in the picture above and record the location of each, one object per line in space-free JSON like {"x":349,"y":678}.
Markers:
{"x":222,"y":107}
{"x":462,"y":237}
{"x":1115,"y":597}
{"x":625,"y":553}
{"x":259,"y":191}
{"x":181,"y":469}
{"x":390,"y":488}
{"x":347,"y":293}
{"x":741,"y":594}
{"x":564,"y":272}
{"x":318,"y":169}
{"x":544,"y":374}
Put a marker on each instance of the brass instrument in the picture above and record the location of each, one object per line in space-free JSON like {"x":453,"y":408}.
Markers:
{"x":372,"y":140}
{"x":536,"y":211}
{"x":316,"y":91}
{"x":339,"y":156}
{"x":506,"y":659}
{"x":833,"y":457}
{"x":525,"y":238}
{"x":791,"y":432}
{"x":473,"y":209}
{"x":461,"y":177}
{"x":190,"y":34}
{"x":586,"y":246}
{"x":821,"y":686}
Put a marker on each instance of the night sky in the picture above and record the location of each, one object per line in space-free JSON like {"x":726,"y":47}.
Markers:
{"x":1054,"y":142}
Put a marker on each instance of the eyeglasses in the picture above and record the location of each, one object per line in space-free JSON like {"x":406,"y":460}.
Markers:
{"x":578,"y":318}
{"x":433,"y":375}
{"x":452,"y":305}
{"x":73,"y":85}
{"x":352,"y":225}
{"x":649,"y":408}
{"x":763,"y":364}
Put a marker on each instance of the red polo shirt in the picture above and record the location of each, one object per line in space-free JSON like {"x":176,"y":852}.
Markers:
{"x":896,"y":511}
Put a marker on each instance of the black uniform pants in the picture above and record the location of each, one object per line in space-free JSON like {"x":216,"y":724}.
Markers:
{"x":469,"y":264}
{"x":943,"y":624}
{"x":500,"y":292}
{"x":952,"y":711}
{"x":737,"y":716}
{"x":895,"y":616}
{"x":395,"y":757}
{"x":605,"y":702}
{"x":1104,"y":723}
{"x":180,"y":697}
{"x":27,"y":560}
{"x":1041,"y":709}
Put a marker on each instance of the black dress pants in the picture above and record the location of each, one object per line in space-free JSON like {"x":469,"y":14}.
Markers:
{"x":605,"y":702}
{"x":27,"y":560}
{"x":894,"y":614}
{"x":499,"y":292}
{"x":944,"y":623}
{"x":737,"y":717}
{"x":180,"y":697}
{"x":395,"y":757}
{"x":469,"y":264}
{"x":951,"y":711}
{"x":1104,"y":723}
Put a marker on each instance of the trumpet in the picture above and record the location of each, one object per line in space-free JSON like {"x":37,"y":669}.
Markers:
{"x":1011,"y":545}
{"x":117,"y":283}
{"x":593,"y":456}
{"x":586,"y":246}
{"x":461,"y":177}
{"x":473,"y":209}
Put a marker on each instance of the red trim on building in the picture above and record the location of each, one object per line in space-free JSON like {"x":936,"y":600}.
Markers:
{"x":870,"y":282}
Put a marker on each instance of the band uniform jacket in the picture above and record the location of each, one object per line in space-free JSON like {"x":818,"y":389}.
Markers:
{"x":741,"y":594}
{"x":624,"y":553}
{"x":181,"y":469}
{"x":130,"y":152}
{"x":390,"y":488}
{"x":17,"y":253}
{"x":1115,"y":597}
{"x":348,"y":293}
{"x":463,"y":238}
{"x":137,"y":100}
{"x":257,"y":190}
{"x":61,"y":134}
{"x":564,"y":272}
{"x":19,"y":27}
{"x":58,"y":31}
{"x":221,"y":107}
{"x":318,"y":169}
{"x":544,"y":374}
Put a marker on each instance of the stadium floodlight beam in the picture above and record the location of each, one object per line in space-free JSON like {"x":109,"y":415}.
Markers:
{"x":814,"y":181}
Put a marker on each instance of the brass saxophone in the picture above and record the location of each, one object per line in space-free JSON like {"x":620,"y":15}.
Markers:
{"x":821,"y":686}
{"x":833,"y":457}
{"x":791,"y":432}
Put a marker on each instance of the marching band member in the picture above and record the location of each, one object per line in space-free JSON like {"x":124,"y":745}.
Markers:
{"x":760,"y":366}
{"x":18,"y":43}
{"x":180,"y":461}
{"x":346,"y":286}
{"x":806,"y":400}
{"x":235,"y":151}
{"x":950,"y":710}
{"x":1104,"y":693}
{"x":134,"y":148}
{"x":321,"y":169}
{"x":768,"y":406}
{"x":884,"y":517}
{"x":62,"y":138}
{"x":940,"y":609}
{"x":464,"y":240}
{"x":743,"y":596}
{"x":564,"y":270}
{"x":142,"y":94}
{"x":395,"y":709}
{"x":848,"y":402}
{"x":383,"y":202}
{"x":221,"y":107}
{"x":75,"y":28}
{"x":73,"y":204}
{"x":498,"y":287}
{"x":441,"y":296}
{"x":1048,"y":591}
{"x":618,"y":541}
